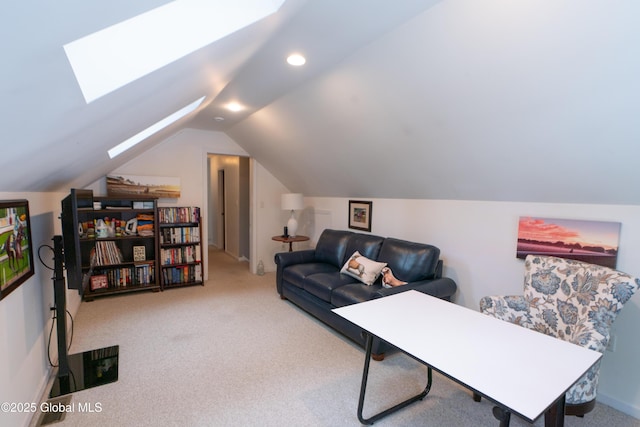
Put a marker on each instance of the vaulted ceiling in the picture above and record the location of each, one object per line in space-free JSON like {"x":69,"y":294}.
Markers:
{"x":534,"y":100}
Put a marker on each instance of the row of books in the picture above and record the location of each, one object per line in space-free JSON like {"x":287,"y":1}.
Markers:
{"x":179,"y":235}
{"x":106,"y":253}
{"x":179,"y":215}
{"x":180,"y":255}
{"x":180,"y":275}
{"x":139,"y":275}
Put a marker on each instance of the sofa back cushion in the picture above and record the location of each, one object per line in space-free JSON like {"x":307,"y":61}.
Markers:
{"x":367,"y":244}
{"x":332,"y":246}
{"x":409,"y":261}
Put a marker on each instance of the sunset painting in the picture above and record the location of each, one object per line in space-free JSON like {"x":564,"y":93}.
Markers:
{"x":595,"y":242}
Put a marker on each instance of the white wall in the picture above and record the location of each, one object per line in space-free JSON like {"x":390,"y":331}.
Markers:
{"x":478,"y":245}
{"x":25,"y":315}
{"x":268,"y":219}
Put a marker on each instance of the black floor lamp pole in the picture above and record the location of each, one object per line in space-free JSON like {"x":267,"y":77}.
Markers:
{"x":60,"y":299}
{"x":92,"y":368}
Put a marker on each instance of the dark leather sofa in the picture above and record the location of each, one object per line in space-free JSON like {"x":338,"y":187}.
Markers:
{"x":312,"y":280}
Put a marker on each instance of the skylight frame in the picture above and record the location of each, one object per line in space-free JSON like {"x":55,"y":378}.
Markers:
{"x":124,"y":52}
{"x":153,"y":129}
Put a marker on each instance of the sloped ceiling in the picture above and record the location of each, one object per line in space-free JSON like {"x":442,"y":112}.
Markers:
{"x":493,"y":100}
{"x":534,"y":100}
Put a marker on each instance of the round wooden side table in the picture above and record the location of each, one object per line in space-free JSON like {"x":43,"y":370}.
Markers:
{"x":290,"y":240}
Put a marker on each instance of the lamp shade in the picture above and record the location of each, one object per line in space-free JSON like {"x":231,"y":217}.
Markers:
{"x":292,"y":201}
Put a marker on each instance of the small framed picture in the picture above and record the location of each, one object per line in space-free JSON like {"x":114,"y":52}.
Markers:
{"x":360,"y":215}
{"x":139,"y":253}
{"x":99,"y":281}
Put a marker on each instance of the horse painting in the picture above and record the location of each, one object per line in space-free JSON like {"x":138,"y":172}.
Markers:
{"x":15,"y":241}
{"x":13,"y":247}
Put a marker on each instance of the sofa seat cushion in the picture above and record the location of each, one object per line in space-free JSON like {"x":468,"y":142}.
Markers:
{"x":297,"y":274}
{"x":354,"y":293}
{"x":322,"y":285}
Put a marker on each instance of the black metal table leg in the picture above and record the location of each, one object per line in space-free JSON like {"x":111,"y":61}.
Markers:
{"x":502,"y":415}
{"x":554,"y":417}
{"x":363,"y":387}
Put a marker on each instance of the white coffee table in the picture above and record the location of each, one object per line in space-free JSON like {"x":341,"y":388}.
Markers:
{"x":522,"y":371}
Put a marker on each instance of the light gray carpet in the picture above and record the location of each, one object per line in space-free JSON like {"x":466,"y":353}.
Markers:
{"x":232,"y":353}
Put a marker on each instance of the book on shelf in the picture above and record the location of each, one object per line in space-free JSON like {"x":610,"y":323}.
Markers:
{"x":182,"y":274}
{"x":179,"y":214}
{"x":145,"y":274}
{"x":185,"y":254}
{"x":177,"y":235}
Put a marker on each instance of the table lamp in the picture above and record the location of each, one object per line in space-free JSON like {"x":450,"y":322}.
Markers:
{"x":292,"y":202}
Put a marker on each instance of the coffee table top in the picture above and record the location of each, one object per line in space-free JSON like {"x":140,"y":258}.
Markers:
{"x":520,"y":369}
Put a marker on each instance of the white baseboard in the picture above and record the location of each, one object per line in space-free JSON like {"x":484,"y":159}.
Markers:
{"x":620,"y":406}
{"x":43,"y":394}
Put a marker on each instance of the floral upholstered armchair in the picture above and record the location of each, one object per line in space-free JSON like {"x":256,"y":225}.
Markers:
{"x":570,"y":300}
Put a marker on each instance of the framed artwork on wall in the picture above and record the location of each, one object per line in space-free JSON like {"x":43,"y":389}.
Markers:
{"x":143,"y":186}
{"x":16,"y":253}
{"x":595,"y":242}
{"x":360,"y":215}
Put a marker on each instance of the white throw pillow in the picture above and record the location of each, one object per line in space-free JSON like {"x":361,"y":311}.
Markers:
{"x":362,"y":268}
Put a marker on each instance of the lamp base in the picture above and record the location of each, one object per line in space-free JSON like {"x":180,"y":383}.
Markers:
{"x":292,"y":225}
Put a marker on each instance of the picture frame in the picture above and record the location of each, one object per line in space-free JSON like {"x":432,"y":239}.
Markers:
{"x":16,"y":245}
{"x":360,"y":215}
{"x":139,"y":253}
{"x":99,"y":281}
{"x":595,"y":242}
{"x":143,"y":186}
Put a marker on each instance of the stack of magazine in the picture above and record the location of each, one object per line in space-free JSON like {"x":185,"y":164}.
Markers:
{"x":107,"y":252}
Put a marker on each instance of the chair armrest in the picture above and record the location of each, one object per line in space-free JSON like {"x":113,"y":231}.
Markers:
{"x":510,"y":308}
{"x":443,"y":288}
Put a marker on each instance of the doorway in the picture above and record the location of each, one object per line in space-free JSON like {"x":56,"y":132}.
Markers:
{"x":228,"y":203}
{"x":221,"y":223}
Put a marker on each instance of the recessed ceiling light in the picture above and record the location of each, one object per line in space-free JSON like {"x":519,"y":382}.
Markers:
{"x":234,"y":106}
{"x":296,"y":60}
{"x":218,"y":119}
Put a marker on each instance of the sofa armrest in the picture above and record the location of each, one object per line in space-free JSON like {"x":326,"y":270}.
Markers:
{"x":443,"y":288}
{"x":439,"y":268}
{"x":285,"y":259}
{"x":510,"y":308}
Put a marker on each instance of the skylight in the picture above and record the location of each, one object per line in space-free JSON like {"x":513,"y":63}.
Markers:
{"x":141,"y":136}
{"x":115,"y":56}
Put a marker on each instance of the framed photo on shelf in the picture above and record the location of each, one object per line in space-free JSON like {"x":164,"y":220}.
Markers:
{"x":360,"y":215}
{"x":99,"y":281}
{"x":16,"y":252}
{"x":139,"y":253}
